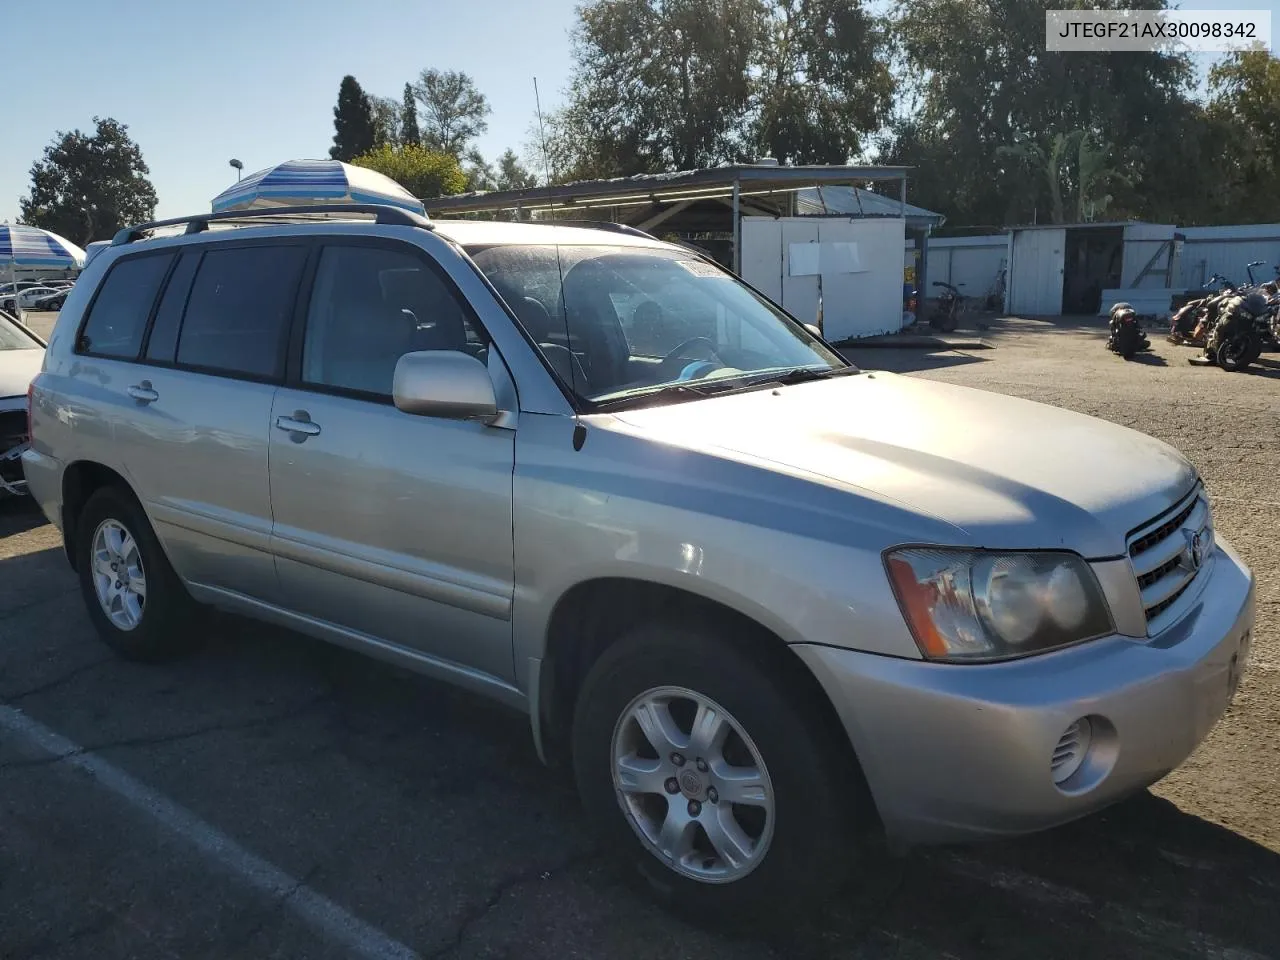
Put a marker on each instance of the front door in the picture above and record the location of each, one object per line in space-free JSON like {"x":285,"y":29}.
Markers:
{"x":394,"y":526}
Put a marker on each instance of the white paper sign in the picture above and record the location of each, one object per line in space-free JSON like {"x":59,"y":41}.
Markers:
{"x":804,"y":259}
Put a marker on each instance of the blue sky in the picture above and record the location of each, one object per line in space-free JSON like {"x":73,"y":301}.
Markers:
{"x":199,"y":83}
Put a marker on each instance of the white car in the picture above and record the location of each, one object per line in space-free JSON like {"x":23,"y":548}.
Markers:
{"x":21,"y":356}
{"x":26,"y":299}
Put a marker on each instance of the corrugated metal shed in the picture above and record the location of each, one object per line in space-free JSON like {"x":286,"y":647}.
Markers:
{"x":1228,"y":250}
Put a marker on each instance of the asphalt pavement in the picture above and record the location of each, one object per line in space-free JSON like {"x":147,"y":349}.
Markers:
{"x":274,"y":797}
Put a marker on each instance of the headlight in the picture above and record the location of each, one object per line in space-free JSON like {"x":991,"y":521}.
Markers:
{"x":970,"y":605}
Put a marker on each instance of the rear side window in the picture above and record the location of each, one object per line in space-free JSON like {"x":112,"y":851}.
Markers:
{"x":118,"y":317}
{"x":163,"y":343}
{"x":238,"y":312}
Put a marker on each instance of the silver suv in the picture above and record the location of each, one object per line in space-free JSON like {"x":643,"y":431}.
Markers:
{"x":760,"y":601}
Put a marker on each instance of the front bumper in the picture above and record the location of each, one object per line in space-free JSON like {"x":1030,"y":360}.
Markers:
{"x":961,"y":752}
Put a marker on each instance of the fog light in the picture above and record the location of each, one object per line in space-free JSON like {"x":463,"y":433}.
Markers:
{"x":1072,"y":749}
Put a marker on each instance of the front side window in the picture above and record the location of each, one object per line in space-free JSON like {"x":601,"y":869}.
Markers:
{"x":238,"y":310}
{"x":118,"y":318}
{"x":370,"y":306}
{"x":619,"y":323}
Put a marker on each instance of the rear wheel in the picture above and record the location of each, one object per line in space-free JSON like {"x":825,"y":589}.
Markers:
{"x":699,"y":764}
{"x":135,"y":600}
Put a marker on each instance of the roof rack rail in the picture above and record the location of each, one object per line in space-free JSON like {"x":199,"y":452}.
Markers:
{"x":199,"y":222}
{"x":602,"y":225}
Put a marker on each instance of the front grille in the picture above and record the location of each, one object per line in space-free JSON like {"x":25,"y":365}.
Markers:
{"x":1161,"y":553}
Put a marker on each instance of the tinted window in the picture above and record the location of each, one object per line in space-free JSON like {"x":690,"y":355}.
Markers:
{"x":239,"y":310}
{"x":370,"y":306}
{"x":164,"y":331}
{"x":119,"y":314}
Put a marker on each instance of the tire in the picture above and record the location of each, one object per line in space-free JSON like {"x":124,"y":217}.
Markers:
{"x":800,"y":847}
{"x":162,"y":626}
{"x":1234,"y":353}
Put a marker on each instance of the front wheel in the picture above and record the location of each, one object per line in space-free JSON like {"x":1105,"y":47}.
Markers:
{"x":711,"y":775}
{"x":1236,"y":353}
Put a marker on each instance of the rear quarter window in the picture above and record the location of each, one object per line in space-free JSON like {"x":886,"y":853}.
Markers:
{"x":118,"y":316}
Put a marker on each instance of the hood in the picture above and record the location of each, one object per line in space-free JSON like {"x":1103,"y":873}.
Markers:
{"x":17,"y":369}
{"x":1009,"y":473}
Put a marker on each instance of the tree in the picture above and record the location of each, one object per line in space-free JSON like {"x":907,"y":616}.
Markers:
{"x":353,"y":126}
{"x":386,"y":120}
{"x":512,"y":174}
{"x":676,"y":84}
{"x":1244,"y":110}
{"x":453,"y":110}
{"x":424,"y":173}
{"x":657,"y":85}
{"x":89,"y":186}
{"x":409,"y":132}
{"x":824,"y":80}
{"x":977,"y":78}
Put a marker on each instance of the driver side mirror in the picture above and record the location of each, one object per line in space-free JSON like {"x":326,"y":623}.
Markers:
{"x":813,"y":328}
{"x":444,"y":383}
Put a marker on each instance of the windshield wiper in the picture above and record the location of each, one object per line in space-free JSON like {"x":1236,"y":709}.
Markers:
{"x":665,"y":394}
{"x":719,"y":386}
{"x":801,"y":375}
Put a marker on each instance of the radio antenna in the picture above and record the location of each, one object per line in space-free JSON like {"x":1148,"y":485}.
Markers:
{"x":579,"y":430}
{"x":542,"y":133}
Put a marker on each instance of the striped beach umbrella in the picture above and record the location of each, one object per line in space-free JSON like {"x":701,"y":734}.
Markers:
{"x":314,"y":181}
{"x":22,"y":246}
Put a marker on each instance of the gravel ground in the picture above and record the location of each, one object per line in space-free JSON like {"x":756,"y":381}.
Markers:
{"x":273,"y":797}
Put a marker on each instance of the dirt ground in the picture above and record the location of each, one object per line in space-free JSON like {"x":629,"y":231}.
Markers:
{"x":274,"y":797}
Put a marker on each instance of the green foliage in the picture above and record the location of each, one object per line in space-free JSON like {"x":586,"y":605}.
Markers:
{"x":677,"y":84}
{"x":89,"y":186}
{"x":353,"y":124}
{"x":1244,"y":113}
{"x":386,"y":120}
{"x":409,"y":132}
{"x":453,"y":110}
{"x":980,"y":82}
{"x":823,"y":82}
{"x":424,"y":173}
{"x":512,"y":174}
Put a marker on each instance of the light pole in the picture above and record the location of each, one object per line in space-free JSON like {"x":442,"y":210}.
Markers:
{"x":239,"y":167}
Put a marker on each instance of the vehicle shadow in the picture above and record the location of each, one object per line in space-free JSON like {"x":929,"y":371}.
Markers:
{"x":1149,"y":359}
{"x":424,"y":810}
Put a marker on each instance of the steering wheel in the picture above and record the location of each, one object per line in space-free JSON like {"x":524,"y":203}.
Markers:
{"x":679,"y":354}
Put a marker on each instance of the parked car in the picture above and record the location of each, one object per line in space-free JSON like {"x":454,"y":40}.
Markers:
{"x":52,"y":301}
{"x":21,"y":354}
{"x":757,"y":601}
{"x":27,"y":298}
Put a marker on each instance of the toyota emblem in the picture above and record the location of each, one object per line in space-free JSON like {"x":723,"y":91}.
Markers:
{"x":1195,"y":549}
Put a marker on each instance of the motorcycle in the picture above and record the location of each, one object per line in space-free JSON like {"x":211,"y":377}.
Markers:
{"x":946,"y":315}
{"x":1236,"y":338}
{"x":1126,"y":337}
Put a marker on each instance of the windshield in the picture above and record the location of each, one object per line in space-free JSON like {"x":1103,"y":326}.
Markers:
{"x":626,"y":321}
{"x":12,"y":338}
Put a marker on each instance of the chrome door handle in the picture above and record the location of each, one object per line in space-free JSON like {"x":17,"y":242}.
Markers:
{"x":142,"y":392}
{"x":299,"y":427}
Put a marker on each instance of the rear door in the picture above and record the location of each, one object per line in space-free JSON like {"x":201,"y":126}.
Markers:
{"x":193,"y":421}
